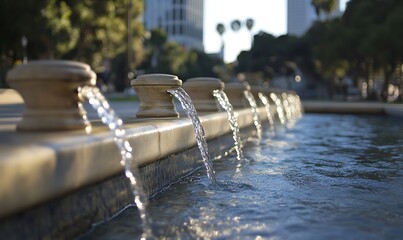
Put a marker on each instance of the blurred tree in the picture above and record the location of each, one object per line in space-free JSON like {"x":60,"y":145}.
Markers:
{"x":221,"y":30}
{"x":157,"y":41}
{"x":199,"y":64}
{"x":325,"y":6}
{"x":373,"y":33}
{"x":327,"y":43}
{"x":83,"y":30}
{"x":249,"y":25}
{"x":269,"y":56}
{"x":103,"y":29}
{"x":235,"y":25}
{"x":173,"y":56}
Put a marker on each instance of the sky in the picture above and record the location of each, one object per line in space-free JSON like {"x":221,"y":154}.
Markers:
{"x":269,"y":16}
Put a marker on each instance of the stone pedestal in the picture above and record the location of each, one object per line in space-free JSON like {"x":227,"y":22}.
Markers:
{"x":155,"y":101}
{"x":235,"y":94}
{"x":50,"y":93}
{"x":201,"y":90}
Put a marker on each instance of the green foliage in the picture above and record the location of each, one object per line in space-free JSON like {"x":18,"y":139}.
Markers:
{"x":365,"y":41}
{"x":173,"y":56}
{"x":158,"y":37}
{"x":326,"y":6}
{"x":198,"y":64}
{"x":269,"y":55}
{"x":163,"y":56}
{"x":57,"y":15}
{"x":84,"y":30}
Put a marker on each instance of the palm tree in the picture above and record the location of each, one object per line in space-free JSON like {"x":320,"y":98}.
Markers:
{"x":235,"y":25}
{"x":249,"y":26}
{"x":326,"y":6}
{"x":221,"y":30}
{"x":249,"y":23}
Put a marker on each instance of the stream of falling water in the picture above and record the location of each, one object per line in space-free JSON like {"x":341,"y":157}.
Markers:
{"x":279,"y":107}
{"x":266,"y":104}
{"x":233,"y":122}
{"x":115,"y":124}
{"x":253,"y":106}
{"x":191,"y":112}
{"x":286,"y":105}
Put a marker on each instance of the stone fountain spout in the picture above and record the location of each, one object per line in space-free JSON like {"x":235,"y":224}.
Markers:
{"x":50,"y":93}
{"x":155,"y":102}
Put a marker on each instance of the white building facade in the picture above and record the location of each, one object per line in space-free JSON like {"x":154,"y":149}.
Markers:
{"x":182,"y":20}
{"x":301,"y":15}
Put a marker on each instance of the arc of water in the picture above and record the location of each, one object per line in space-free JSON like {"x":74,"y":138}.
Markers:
{"x":297,"y":106}
{"x":293,"y":106}
{"x":233,"y":122}
{"x":115,"y":124}
{"x":286,"y":105}
{"x":266,"y":103}
{"x":191,"y":112}
{"x":279,"y":107}
{"x":253,"y":106}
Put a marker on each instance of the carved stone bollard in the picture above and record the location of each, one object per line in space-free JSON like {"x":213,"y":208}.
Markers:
{"x":155,"y":101}
{"x":200,"y":90}
{"x":50,"y":93}
{"x":235,"y":94}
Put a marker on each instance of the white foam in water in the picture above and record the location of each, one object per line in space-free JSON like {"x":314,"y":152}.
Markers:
{"x":115,"y":124}
{"x":266,"y":103}
{"x":253,"y":106}
{"x":191,"y":112}
{"x":233,"y":122}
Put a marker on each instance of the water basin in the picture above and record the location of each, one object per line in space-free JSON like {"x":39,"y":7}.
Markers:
{"x":328,"y":177}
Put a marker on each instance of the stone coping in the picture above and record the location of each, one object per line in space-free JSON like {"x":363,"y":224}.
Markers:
{"x":9,"y":96}
{"x":68,"y":161}
{"x":38,"y":167}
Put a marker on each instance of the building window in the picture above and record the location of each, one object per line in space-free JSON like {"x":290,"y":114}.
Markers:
{"x":181,"y":14}
{"x":181,"y":29}
{"x":159,"y":23}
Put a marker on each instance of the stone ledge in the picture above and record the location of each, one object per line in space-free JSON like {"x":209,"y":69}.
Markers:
{"x":68,"y":161}
{"x":73,"y":214}
{"x":353,"y":108}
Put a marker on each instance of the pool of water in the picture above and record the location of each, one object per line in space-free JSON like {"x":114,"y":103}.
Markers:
{"x":327,"y":177}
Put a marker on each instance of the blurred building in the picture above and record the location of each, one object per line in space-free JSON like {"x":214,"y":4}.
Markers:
{"x":182,"y":20}
{"x":301,"y":15}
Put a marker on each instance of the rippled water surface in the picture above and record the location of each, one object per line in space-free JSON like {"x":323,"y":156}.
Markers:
{"x":328,"y":177}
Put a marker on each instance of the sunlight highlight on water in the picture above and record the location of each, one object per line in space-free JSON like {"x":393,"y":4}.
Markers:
{"x":266,"y":104}
{"x":253,"y":106}
{"x":115,"y":124}
{"x":279,"y":107}
{"x":233,"y":122}
{"x":286,"y":106}
{"x":191,"y":112}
